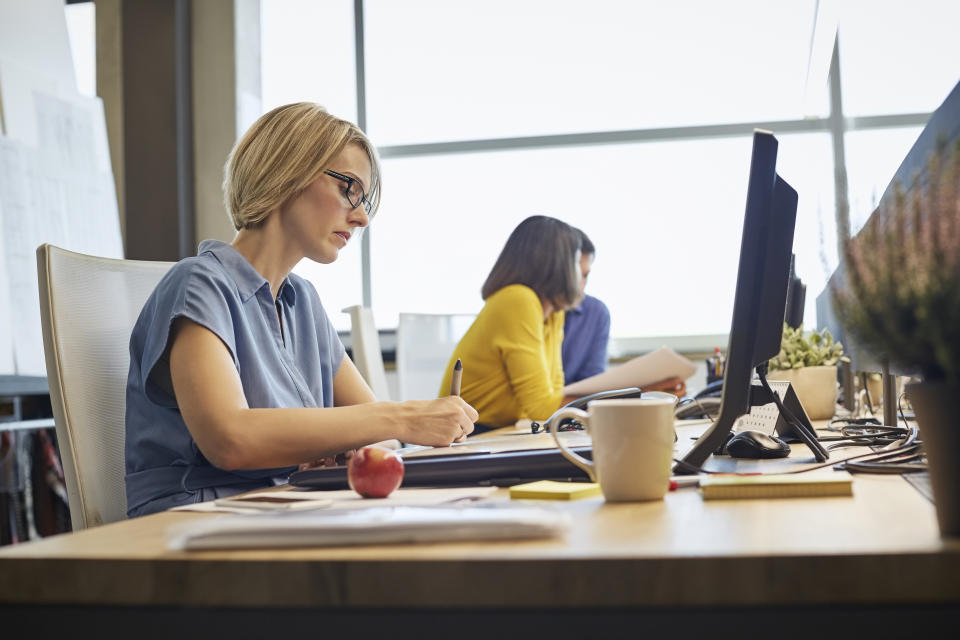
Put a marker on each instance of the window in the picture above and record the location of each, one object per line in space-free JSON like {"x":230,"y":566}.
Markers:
{"x":666,"y":219}
{"x":307,"y":54}
{"x":81,"y":30}
{"x":630,"y":120}
{"x":440,"y":71}
{"x":873,"y":157}
{"x":898,"y":56}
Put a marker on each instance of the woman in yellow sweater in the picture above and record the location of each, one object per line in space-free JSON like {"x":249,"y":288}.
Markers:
{"x":512,"y":367}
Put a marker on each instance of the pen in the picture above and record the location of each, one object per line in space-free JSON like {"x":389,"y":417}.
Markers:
{"x":679,"y":482}
{"x":455,"y":380}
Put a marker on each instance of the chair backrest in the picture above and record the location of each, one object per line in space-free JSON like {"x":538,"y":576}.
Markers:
{"x":425,"y":342}
{"x":365,"y":344}
{"x":88,"y":306}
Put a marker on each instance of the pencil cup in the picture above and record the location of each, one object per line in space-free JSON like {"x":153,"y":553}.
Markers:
{"x":632,"y":446}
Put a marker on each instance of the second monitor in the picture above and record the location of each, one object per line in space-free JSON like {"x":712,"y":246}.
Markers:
{"x":760,"y":297}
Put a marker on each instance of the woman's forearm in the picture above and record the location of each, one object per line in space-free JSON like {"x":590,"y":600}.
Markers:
{"x":266,"y":438}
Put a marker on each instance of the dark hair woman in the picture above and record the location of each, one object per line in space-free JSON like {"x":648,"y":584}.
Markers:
{"x":512,"y":367}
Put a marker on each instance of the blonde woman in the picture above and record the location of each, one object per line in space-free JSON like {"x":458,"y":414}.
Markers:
{"x":236,"y":374}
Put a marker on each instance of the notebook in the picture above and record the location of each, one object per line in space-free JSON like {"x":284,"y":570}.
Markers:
{"x":776,"y":486}
{"x":501,"y":469}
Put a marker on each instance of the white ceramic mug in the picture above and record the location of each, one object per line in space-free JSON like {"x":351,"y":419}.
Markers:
{"x":633,"y":442}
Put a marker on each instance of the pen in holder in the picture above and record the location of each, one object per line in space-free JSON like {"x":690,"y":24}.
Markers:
{"x":716,"y":364}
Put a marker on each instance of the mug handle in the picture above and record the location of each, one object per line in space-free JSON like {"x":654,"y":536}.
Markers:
{"x":583,"y":417}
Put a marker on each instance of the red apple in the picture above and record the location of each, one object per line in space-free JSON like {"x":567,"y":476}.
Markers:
{"x":375,"y":472}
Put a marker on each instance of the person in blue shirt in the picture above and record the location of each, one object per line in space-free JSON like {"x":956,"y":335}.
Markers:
{"x":586,"y":333}
{"x":586,"y":327}
{"x":237,"y":376}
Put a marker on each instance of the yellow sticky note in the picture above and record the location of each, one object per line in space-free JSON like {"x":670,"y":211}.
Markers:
{"x":551,"y":490}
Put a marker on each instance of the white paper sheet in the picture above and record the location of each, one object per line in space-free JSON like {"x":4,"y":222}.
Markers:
{"x":7,"y":367}
{"x":22,"y":206}
{"x":379,"y":525}
{"x":36,"y":31}
{"x":56,"y":186}
{"x":640,"y":371}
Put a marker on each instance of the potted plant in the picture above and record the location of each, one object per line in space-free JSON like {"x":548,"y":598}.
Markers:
{"x":809,"y":362}
{"x":901,"y":300}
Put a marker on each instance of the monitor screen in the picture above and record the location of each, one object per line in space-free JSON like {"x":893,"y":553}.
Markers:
{"x":941,"y":131}
{"x":761,"y":292}
{"x":796,"y":297}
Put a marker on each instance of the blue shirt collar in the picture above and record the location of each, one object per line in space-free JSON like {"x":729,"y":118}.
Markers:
{"x":248,"y":280}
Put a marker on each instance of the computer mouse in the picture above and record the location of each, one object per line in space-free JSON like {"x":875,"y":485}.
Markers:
{"x":757,"y":444}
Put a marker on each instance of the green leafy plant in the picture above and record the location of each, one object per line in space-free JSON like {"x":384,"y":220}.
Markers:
{"x":815,"y":349}
{"x":901,"y":295}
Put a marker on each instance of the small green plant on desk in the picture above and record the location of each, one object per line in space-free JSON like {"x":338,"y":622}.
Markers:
{"x":809,"y":363}
{"x":816,"y":349}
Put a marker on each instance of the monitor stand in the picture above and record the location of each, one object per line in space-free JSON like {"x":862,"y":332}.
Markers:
{"x":889,"y":396}
{"x":790,"y":420}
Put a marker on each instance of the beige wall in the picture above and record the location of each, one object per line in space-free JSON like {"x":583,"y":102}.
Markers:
{"x":226,"y":90}
{"x":110,"y":89}
{"x":224,"y":83}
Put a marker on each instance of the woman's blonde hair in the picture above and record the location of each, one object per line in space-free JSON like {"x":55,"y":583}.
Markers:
{"x":281,"y":154}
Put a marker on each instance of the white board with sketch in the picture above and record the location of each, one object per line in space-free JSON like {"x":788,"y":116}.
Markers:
{"x":56,"y":182}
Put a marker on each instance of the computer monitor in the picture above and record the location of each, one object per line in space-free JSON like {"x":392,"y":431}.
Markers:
{"x":761,"y":293}
{"x":941,"y":131}
{"x":796,"y":297}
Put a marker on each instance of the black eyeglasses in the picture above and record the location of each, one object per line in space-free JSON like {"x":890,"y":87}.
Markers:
{"x":354,"y":191}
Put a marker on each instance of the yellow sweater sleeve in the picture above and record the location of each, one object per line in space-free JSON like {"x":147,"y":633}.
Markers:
{"x":530,"y":351}
{"x":512,"y":367}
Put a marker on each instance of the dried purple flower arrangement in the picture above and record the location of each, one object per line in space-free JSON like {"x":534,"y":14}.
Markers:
{"x":901,"y":298}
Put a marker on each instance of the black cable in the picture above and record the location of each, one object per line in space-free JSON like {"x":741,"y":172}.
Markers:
{"x":892,"y":461}
{"x":682,"y":411}
{"x":879,"y":455}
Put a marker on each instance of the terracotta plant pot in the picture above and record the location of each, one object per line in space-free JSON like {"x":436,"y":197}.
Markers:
{"x":875,"y":389}
{"x":816,"y":388}
{"x":935,"y":404}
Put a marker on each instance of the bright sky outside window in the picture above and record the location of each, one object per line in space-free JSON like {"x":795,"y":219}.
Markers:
{"x":666,"y":219}
{"x":898,"y":56}
{"x":440,"y":71}
{"x":668,"y":236}
{"x":81,"y":29}
{"x":308,"y":54}
{"x":873,"y":157}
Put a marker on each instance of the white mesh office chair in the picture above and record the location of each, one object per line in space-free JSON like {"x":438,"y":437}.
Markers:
{"x":425,"y":342}
{"x":365,"y":344}
{"x":88,"y":306}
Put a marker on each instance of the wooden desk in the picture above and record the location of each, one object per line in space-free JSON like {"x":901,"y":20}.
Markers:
{"x":874,"y":559}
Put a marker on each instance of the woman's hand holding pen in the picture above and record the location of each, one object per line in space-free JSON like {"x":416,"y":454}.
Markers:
{"x":436,"y":423}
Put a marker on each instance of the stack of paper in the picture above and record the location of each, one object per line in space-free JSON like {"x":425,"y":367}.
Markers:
{"x":377,"y":525}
